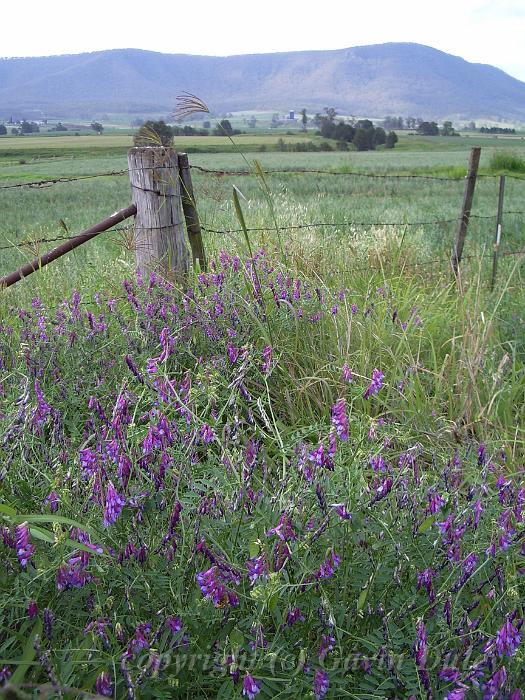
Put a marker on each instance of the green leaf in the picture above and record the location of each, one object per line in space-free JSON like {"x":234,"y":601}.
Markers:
{"x":426,"y":523}
{"x":236,"y":637}
{"x":27,"y":657}
{"x":254,"y":549}
{"x":7,"y":510}
{"x":362,"y":599}
{"x":53,"y":519}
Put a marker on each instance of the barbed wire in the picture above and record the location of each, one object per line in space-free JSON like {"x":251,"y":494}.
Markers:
{"x":59,"y":180}
{"x":360,"y":224}
{"x":42,"y":184}
{"x":38,"y":241}
{"x":291,"y":227}
{"x":299,"y":171}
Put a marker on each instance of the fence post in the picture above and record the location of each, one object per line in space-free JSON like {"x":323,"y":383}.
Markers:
{"x":191,"y":215}
{"x":468,"y":196}
{"x":159,"y":226}
{"x":497,"y":238}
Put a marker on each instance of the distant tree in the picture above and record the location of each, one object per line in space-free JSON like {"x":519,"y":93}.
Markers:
{"x":428,"y":129}
{"x":448,"y":129}
{"x":471,"y":126}
{"x":15,"y":131}
{"x":3,"y":130}
{"x":97,"y":126}
{"x":330,"y":113}
{"x":410,"y":122}
{"x":391,"y":139}
{"x":224,"y":128}
{"x":304,"y":119}
{"x":362,"y":139}
{"x":344,"y":132}
{"x":252,"y":122}
{"x":154,"y":133}
{"x":327,"y":128}
{"x":29,"y":127}
{"x":379,"y":136}
{"x":59,"y":127}
{"x":317,"y":120}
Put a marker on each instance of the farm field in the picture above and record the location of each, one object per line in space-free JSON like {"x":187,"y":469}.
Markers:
{"x":300,"y":474}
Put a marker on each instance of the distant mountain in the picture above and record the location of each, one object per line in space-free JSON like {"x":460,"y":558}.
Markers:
{"x":396,"y":78}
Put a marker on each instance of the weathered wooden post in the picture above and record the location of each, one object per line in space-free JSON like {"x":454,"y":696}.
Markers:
{"x":468,"y":196}
{"x":191,"y":215}
{"x":160,"y":237}
{"x":497,"y":238}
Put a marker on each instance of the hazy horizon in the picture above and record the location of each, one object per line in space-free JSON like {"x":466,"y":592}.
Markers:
{"x":476,"y":30}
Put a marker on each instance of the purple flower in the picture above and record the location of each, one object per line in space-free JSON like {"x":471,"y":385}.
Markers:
{"x":321,"y":458}
{"x":328,"y":567}
{"x":233,"y":353}
{"x":174,"y":624}
{"x":212,"y":586}
{"x":495,"y":684}
{"x":340,"y":510}
{"x":456,"y":694}
{"x":24,"y":549}
{"x":449,"y":674}
{"x":424,"y":580}
{"x":294,"y":616}
{"x":420,"y":646}
{"x":114,"y":505}
{"x":508,"y":638}
{"x":347,"y":374}
{"x":5,"y":674}
{"x":48,"y":623}
{"x":257,"y":568}
{"x":326,"y":645}
{"x":435,"y":502}
{"x":375,"y":384}
{"x":103,"y":685}
{"x":340,"y":419}
{"x":267,"y":359}
{"x":321,"y":684}
{"x":52,"y":501}
{"x":284,"y":530}
{"x":32,"y":610}
{"x":206,"y":434}
{"x":250,"y":687}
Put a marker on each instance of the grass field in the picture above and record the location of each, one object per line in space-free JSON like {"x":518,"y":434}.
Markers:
{"x":297,"y":475}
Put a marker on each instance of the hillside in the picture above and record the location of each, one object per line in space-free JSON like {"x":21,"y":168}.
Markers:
{"x":394,"y":78}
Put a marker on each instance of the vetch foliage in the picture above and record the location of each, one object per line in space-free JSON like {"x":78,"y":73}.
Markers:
{"x":226,"y":491}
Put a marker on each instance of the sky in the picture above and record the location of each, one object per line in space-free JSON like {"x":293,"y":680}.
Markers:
{"x":477,"y":30}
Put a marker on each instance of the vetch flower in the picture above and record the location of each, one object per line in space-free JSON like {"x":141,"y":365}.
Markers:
{"x":340,"y":419}
{"x":103,"y":685}
{"x":294,"y":616}
{"x":347,"y":374}
{"x":48,"y":623}
{"x":257,"y":568}
{"x":114,"y":505}
{"x":328,"y":567}
{"x":508,"y":638}
{"x":32,"y":610}
{"x":24,"y":548}
{"x":340,"y":510}
{"x":375,"y":384}
{"x":321,"y":684}
{"x":250,"y":687}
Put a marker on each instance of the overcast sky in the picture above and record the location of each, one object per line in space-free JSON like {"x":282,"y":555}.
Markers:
{"x":477,"y":30}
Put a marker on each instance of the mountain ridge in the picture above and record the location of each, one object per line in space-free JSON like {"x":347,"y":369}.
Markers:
{"x":378,"y":79}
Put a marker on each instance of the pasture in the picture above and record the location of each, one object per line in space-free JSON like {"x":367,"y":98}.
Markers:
{"x":299,"y":475}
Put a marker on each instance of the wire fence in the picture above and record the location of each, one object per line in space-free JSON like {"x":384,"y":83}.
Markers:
{"x":246,"y":173}
{"x":33,"y":243}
